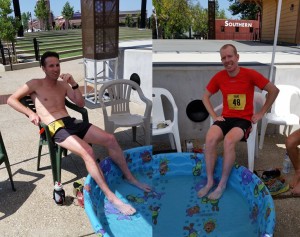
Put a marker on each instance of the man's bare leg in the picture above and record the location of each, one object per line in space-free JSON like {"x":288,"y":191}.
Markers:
{"x":291,"y":144}
{"x":96,"y":135}
{"x":295,"y":180}
{"x":230,"y":140}
{"x":204,"y":191}
{"x":117,"y":155}
{"x":213,"y":137}
{"x":85,"y":151}
{"x":296,"y":187}
{"x":296,"y":190}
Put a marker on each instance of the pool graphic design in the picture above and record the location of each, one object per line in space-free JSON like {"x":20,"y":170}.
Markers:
{"x":172,"y":208}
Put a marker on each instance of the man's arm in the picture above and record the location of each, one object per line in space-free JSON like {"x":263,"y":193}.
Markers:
{"x":14,"y":102}
{"x":209,"y":107}
{"x":73,"y":92}
{"x":270,"y":98}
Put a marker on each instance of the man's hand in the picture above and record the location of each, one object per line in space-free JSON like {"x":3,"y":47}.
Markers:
{"x":256,"y":117}
{"x":35,"y":119}
{"x":66,"y":77}
{"x":219,"y":118}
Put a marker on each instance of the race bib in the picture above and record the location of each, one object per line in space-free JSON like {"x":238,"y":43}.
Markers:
{"x":236,"y":101}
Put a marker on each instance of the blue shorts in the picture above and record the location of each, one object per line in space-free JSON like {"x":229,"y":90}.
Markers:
{"x":71,"y":127}
{"x":230,"y":123}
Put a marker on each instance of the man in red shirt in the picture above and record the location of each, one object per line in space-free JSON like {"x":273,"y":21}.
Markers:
{"x":237,"y":85}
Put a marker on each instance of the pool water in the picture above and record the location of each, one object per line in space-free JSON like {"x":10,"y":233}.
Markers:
{"x":173,"y":208}
{"x":183,"y":213}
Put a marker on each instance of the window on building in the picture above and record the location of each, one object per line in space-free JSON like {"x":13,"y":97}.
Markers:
{"x":251,"y":29}
{"x":222,"y":28}
{"x":237,"y":29}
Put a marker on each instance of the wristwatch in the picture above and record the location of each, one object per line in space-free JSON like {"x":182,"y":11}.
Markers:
{"x":75,"y":87}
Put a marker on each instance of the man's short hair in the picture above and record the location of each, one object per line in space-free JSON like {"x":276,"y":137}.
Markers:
{"x":229,"y":45}
{"x":47,"y":55}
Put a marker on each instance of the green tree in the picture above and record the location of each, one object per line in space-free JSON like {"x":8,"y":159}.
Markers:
{"x":221,"y":14}
{"x":247,"y":10}
{"x":129,"y":20}
{"x":42,"y":13}
{"x":25,"y":20}
{"x":199,"y":22}
{"x":173,"y":17}
{"x":9,"y":25}
{"x":67,"y":13}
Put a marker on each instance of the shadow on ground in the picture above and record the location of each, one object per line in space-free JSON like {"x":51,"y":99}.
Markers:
{"x":11,"y":201}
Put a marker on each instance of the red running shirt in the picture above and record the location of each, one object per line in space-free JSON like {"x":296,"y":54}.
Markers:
{"x":238,"y":91}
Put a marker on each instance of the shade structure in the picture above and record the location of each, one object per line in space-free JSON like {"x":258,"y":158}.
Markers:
{"x":100,"y":29}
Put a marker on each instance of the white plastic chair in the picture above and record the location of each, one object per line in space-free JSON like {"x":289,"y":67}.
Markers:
{"x":171,"y":127}
{"x":116,"y":94}
{"x":280,"y":112}
{"x":252,"y":141}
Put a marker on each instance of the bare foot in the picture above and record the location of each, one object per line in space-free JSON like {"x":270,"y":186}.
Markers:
{"x":204,"y":191}
{"x":295,"y":181}
{"x":143,"y":186}
{"x":124,"y":208}
{"x":296,"y":189}
{"x":217,"y":193}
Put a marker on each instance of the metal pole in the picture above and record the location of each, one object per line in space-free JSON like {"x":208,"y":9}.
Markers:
{"x":275,"y":39}
{"x":2,"y":54}
{"x":36,"y":49}
{"x":9,"y":58}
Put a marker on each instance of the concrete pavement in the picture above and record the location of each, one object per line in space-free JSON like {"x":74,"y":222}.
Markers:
{"x":31,"y":211}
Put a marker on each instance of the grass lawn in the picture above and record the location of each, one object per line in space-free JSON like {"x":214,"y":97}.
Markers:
{"x":70,"y":40}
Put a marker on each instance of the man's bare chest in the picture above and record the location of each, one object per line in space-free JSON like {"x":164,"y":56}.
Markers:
{"x":50,"y":97}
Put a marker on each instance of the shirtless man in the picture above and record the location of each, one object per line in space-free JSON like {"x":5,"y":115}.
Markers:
{"x":49,"y":95}
{"x":291,"y":143}
{"x":237,"y":85}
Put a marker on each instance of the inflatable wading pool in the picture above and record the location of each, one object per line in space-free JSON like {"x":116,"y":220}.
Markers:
{"x":173,"y":208}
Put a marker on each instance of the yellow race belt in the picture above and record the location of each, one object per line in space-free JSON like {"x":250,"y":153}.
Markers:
{"x":55,"y":125}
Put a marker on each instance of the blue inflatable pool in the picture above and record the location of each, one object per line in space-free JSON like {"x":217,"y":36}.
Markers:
{"x":173,"y":209}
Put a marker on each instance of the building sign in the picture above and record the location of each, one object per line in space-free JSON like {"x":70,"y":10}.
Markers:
{"x":237,"y":24}
{"x":237,"y":29}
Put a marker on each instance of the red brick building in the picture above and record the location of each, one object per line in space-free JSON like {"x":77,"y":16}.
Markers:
{"x":237,"y":29}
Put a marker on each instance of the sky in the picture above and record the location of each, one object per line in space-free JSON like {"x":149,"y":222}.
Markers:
{"x":223,"y":4}
{"x":57,"y":6}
